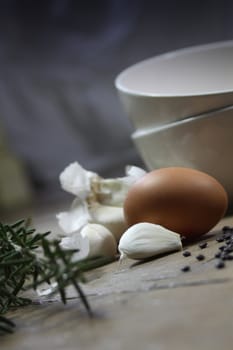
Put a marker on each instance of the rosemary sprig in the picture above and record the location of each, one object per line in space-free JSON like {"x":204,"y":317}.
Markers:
{"x":6,"y":325}
{"x":20,"y":262}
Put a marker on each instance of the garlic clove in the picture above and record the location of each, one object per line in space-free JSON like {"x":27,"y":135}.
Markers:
{"x":110,"y":217}
{"x":145,"y":240}
{"x":93,"y":240}
{"x":100,"y":239}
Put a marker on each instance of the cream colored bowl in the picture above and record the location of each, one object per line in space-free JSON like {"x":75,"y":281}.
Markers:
{"x":177,"y":85}
{"x":204,"y":143}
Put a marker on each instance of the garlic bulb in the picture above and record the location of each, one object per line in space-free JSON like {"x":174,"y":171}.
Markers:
{"x":145,"y":240}
{"x":110,"y":217}
{"x":97,"y":201}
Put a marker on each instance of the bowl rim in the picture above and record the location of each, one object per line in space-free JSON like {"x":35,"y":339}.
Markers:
{"x":208,"y":115}
{"x":169,"y":55}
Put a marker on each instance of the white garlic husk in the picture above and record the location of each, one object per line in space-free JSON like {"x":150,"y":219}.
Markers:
{"x":89,"y":186}
{"x":82,"y":213}
{"x":76,"y":180}
{"x":112,"y":192}
{"x":110,"y":217}
{"x":75,"y":218}
{"x":145,"y":240}
{"x":76,"y":242}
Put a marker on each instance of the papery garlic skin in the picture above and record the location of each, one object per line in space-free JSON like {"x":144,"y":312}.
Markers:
{"x":80,"y":214}
{"x":144,"y":240}
{"x":112,"y":192}
{"x":110,"y":217}
{"x":76,"y":180}
{"x":73,"y":220}
{"x":101,"y":241}
{"x":76,"y":242}
{"x":47,"y":289}
{"x":89,"y":186}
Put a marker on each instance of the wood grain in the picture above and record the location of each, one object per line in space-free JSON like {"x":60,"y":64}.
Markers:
{"x":152,"y":305}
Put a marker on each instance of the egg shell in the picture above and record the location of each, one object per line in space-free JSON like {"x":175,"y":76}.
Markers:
{"x":183,"y":200}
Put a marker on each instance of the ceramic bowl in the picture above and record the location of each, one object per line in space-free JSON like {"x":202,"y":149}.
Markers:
{"x":204,"y":143}
{"x":177,"y":85}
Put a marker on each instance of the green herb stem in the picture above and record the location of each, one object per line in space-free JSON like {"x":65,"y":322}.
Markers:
{"x":20,"y":262}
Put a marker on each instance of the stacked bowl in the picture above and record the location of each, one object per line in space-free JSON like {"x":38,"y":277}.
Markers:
{"x":181,"y":107}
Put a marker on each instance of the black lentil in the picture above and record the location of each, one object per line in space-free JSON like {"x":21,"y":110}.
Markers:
{"x":226,"y":228}
{"x":186,"y":253}
{"x":223,"y":257}
{"x":218,"y":255}
{"x":220,"y":239}
{"x":228,"y":249}
{"x":185,"y":268}
{"x":220,"y":264}
{"x":200,"y":257}
{"x":227,"y":236}
{"x":224,"y":253}
{"x":229,"y":257}
{"x":203,"y":245}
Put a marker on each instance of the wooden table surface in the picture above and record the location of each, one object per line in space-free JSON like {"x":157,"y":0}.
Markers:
{"x":151,"y":305}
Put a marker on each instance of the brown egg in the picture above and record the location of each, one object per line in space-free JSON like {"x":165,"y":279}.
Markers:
{"x":183,"y":200}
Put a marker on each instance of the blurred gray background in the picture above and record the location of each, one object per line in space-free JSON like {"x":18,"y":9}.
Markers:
{"x":58,"y":62}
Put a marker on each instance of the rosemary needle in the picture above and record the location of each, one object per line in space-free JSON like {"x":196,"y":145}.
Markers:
{"x":20,"y":262}
{"x":6,"y":325}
